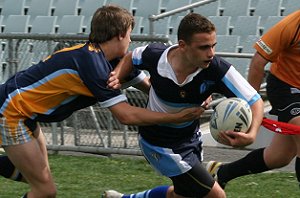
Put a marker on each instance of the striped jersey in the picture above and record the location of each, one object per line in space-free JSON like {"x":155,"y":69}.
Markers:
{"x":66,"y":81}
{"x":167,"y":95}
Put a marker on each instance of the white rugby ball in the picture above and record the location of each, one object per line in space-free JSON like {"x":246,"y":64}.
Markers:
{"x":231,"y":114}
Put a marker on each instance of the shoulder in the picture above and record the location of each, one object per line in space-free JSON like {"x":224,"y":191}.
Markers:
{"x":155,"y":48}
{"x":153,"y":52}
{"x":219,"y":63}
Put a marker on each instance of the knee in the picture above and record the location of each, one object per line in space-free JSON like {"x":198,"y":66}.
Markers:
{"x":216,"y":192}
{"x":48,"y":193}
{"x":51,"y":193}
{"x":47,"y":190}
{"x":278,"y":162}
{"x":50,"y":190}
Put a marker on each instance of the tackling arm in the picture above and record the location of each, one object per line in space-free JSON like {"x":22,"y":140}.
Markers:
{"x":122,"y":70}
{"x":144,"y":85}
{"x":131,"y":115}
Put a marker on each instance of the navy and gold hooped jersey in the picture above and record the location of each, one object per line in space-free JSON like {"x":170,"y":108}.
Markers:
{"x":167,"y":95}
{"x":68,"y":80}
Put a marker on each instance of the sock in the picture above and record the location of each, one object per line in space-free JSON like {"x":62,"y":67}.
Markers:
{"x":157,"y":192}
{"x":8,"y":170}
{"x":250,"y":164}
{"x":297,"y":169}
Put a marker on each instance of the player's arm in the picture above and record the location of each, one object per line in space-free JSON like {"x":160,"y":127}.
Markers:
{"x":122,"y":70}
{"x":235,"y":139}
{"x":131,"y":115}
{"x":257,"y":114}
{"x":256,"y":70}
{"x":144,"y":85}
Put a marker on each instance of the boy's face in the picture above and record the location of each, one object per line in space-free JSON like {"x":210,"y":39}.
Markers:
{"x":124,"y":42}
{"x":201,"y":50}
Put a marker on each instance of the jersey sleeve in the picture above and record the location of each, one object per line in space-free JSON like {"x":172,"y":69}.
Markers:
{"x":94,"y":73}
{"x":232,"y":83}
{"x":137,"y":57}
{"x":274,"y":41}
{"x":139,"y":78}
{"x":147,"y":57}
{"x":239,"y":86}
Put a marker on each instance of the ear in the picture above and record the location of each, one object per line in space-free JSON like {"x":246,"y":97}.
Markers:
{"x":181,"y":44}
{"x":122,"y":36}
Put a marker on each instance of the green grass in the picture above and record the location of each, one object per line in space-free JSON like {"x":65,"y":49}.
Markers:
{"x":88,"y":176}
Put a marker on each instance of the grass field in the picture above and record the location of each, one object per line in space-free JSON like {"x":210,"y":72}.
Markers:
{"x":88,"y":176}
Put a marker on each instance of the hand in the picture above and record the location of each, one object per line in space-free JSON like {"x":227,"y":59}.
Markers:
{"x":206,"y":103}
{"x":189,"y":114}
{"x":236,"y":139}
{"x":113,"y":82}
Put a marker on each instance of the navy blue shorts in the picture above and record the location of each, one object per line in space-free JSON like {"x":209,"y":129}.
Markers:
{"x":284,"y":99}
{"x":182,"y":164}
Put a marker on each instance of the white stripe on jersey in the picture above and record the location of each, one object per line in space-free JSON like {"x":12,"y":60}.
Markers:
{"x":113,"y":101}
{"x":137,"y":55}
{"x":156,"y":104}
{"x":240,"y":86}
{"x":134,"y":81}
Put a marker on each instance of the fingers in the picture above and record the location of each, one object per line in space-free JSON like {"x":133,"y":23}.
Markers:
{"x":190,"y":114}
{"x":235,"y":139}
{"x":224,"y":139}
{"x":113,"y":82}
{"x":207,"y":102}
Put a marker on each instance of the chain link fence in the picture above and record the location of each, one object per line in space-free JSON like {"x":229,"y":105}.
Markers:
{"x":92,"y":129}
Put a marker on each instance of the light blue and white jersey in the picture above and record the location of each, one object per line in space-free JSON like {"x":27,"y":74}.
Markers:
{"x":167,"y":95}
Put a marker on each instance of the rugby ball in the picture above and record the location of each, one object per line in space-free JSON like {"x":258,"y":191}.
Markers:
{"x":231,"y":114}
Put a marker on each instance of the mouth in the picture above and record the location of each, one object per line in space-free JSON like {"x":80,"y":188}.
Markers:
{"x":207,"y":62}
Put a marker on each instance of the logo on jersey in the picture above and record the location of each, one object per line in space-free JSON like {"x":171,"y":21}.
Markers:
{"x":207,"y":84}
{"x":295,"y":111}
{"x":264,"y":47}
{"x":182,"y":93}
{"x":156,"y":156}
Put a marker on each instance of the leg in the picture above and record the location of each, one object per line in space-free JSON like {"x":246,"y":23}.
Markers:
{"x":30,"y":159}
{"x":197,"y":182}
{"x":40,"y":137}
{"x":157,"y":192}
{"x":280,"y":152}
{"x":296,"y":138}
{"x":297,"y":169}
{"x":8,"y":170}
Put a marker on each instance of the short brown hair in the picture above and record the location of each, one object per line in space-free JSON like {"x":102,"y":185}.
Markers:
{"x":194,"y":23}
{"x":110,"y":21}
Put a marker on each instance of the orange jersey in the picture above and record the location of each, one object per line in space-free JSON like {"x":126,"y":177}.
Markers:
{"x":281,"y":46}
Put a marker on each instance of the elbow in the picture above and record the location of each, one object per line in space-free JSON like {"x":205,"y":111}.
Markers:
{"x":126,"y":119}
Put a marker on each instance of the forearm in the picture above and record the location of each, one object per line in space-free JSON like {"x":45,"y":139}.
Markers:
{"x":144,"y":85}
{"x":124,"y":67}
{"x":131,"y":115}
{"x":257,"y":116}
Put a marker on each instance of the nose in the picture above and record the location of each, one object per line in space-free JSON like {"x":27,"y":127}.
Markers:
{"x":211,"y":52}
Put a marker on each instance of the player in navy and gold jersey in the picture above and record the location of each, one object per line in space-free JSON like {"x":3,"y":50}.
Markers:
{"x":66,"y":81}
{"x":185,"y":75}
